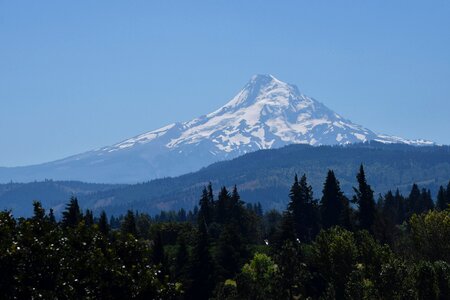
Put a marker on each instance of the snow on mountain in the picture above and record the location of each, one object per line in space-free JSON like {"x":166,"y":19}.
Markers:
{"x":266,"y":113}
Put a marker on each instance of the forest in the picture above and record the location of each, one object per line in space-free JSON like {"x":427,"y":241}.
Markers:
{"x":335,"y":246}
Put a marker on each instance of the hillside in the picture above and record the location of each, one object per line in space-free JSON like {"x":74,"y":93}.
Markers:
{"x":263,"y":176}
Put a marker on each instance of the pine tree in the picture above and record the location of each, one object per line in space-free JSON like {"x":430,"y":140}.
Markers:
{"x":129,"y":224}
{"x":333,"y":204}
{"x":230,"y":251}
{"x":72,"y":215}
{"x":103,"y":225}
{"x":303,"y":209}
{"x":235,"y":208}
{"x":419,"y":201}
{"x":365,"y":201}
{"x":222,"y":206}
{"x":39,"y":212}
{"x":204,"y":213}
{"x":201,"y":267}
{"x":181,"y":261}
{"x":286,"y":231}
{"x":414,"y":201}
{"x":88,"y":218}
{"x":426,"y":200}
{"x":401,"y":207}
{"x":51,"y":216}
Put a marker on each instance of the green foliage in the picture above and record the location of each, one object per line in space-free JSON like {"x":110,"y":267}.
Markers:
{"x":430,"y":234}
{"x":229,"y":250}
{"x":72,"y":215}
{"x":129,"y":224}
{"x":258,"y":279}
{"x":334,"y":206}
{"x":303,"y":209}
{"x":365,"y":201}
{"x":41,"y":259}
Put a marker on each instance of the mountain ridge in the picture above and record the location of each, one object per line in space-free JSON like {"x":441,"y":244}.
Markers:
{"x":262,"y":176}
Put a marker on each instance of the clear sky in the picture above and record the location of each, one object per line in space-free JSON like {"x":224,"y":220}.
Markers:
{"x":77,"y":75}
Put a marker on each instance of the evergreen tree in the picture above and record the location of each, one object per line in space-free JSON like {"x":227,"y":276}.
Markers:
{"x":419,"y":201}
{"x":51,"y":216}
{"x":204,"y":213}
{"x":333,"y":204}
{"x":401,"y":207}
{"x":222,"y":206}
{"x":441,"y":202}
{"x":286,"y":231}
{"x":210,"y":196}
{"x":181,"y":261}
{"x":427,"y":201}
{"x":414,"y":200}
{"x":365,"y":201}
{"x":201,"y":267}
{"x":129,"y":224}
{"x":88,"y":218}
{"x":303,"y":209}
{"x":39,"y":212}
{"x":103,"y":225}
{"x":72,"y":215}
{"x":235,"y":210}
{"x":230,"y":251}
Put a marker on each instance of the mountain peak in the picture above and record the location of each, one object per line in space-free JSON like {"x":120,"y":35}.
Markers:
{"x":263,"y":77}
{"x":266,"y":113}
{"x":259,"y":81}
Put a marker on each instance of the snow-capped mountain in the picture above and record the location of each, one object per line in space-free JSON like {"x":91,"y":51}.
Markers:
{"x":266,"y":113}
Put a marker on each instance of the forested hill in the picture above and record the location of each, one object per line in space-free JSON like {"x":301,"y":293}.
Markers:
{"x":265,"y":176}
{"x":18,"y":196}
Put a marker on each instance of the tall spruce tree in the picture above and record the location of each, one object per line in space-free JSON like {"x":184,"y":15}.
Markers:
{"x":88,"y":218}
{"x":72,"y":215}
{"x":38,"y":210}
{"x":333,"y":204}
{"x":303,"y":209}
{"x":419,"y":201}
{"x":222,"y":206}
{"x":205,"y":211}
{"x":128,"y":225}
{"x":401,"y":207}
{"x":103,"y":224}
{"x":427,"y":201}
{"x":365,"y":201}
{"x":414,"y":200}
{"x":236,"y":208}
{"x":442,"y":201}
{"x":200,"y":267}
{"x":230,"y":251}
{"x":51,"y":216}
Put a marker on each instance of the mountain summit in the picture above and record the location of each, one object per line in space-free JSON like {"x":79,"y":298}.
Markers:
{"x":266,"y":113}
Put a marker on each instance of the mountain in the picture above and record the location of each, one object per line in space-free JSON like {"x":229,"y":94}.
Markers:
{"x":263,"y":176}
{"x":267,"y":113}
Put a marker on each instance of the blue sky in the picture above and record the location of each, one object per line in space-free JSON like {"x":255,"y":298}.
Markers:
{"x":77,"y":75}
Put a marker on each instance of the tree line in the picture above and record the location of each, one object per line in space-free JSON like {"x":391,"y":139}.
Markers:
{"x":334,"y":247}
